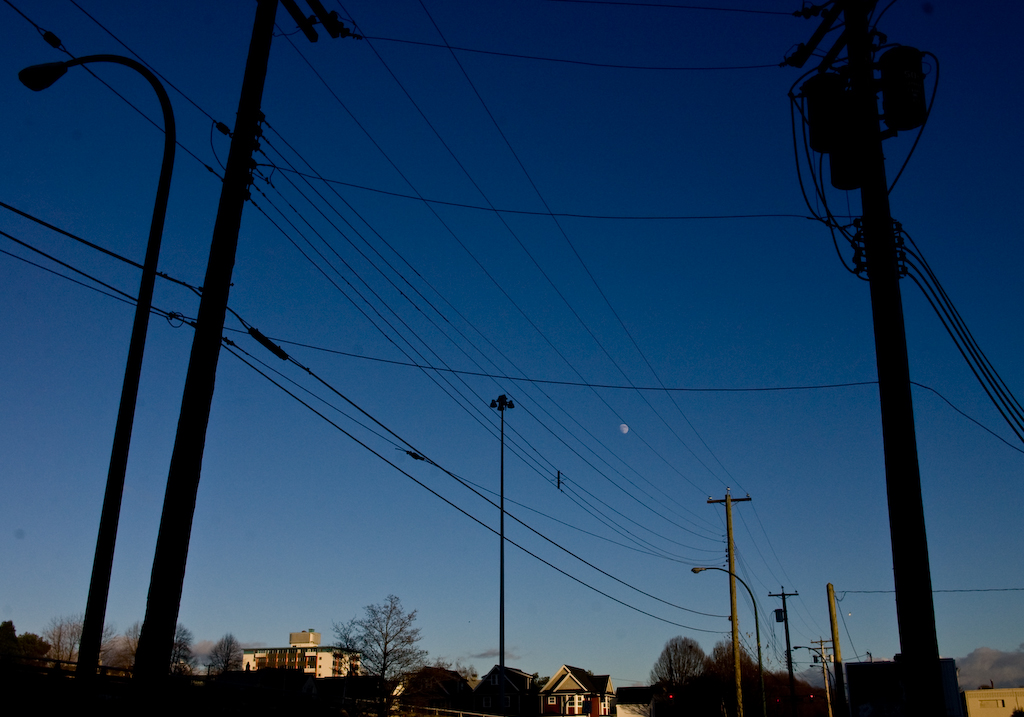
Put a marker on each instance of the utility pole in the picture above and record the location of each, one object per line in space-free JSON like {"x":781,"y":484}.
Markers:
{"x":729,"y":500}
{"x":915,"y":611}
{"x":168,"y":575}
{"x":842,"y":708}
{"x":824,"y":672}
{"x":859,"y":148}
{"x":789,"y":648}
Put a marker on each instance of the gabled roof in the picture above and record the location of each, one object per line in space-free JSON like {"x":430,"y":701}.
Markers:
{"x":634,"y":695}
{"x":511,"y":674}
{"x":577,"y":680}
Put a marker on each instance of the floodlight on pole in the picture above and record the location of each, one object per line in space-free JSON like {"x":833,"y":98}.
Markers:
{"x":757,"y":631}
{"x":38,"y":78}
{"x":502,"y":403}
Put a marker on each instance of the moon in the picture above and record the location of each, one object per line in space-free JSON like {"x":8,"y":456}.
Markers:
{"x":624,"y":428}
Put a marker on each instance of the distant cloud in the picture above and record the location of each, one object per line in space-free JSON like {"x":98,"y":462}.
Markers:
{"x":202,"y":649}
{"x":812,"y":676}
{"x":494,"y":655}
{"x":1005,"y":669}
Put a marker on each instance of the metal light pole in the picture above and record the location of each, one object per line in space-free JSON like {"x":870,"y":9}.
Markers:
{"x":36,"y":78}
{"x":501,"y":403}
{"x":757,"y":632}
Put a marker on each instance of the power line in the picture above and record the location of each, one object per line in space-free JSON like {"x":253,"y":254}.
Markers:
{"x":585,"y":63}
{"x":526,"y":212}
{"x":672,"y":6}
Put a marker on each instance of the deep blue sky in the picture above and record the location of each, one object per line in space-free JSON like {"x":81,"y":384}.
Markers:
{"x":297,"y":525}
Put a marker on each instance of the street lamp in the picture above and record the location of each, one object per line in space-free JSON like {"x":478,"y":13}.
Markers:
{"x":824,"y":672}
{"x":501,"y":403}
{"x":757,"y":631}
{"x":36,"y":78}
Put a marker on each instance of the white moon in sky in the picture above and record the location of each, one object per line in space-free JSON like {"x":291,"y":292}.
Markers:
{"x":624,"y":428}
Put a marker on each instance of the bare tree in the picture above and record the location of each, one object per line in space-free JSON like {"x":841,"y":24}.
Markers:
{"x":387,"y":640}
{"x":65,"y":632}
{"x":226,"y":655}
{"x":125,"y":646}
{"x":183,"y":661}
{"x":680,"y":661}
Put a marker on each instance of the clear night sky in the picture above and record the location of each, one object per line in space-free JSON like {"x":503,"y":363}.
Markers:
{"x":298,"y":525}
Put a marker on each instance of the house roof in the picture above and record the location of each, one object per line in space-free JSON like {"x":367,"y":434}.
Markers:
{"x":577,"y":680}
{"x":512,"y":676}
{"x":634,"y":695}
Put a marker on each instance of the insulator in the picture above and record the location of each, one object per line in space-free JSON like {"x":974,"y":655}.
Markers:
{"x":903,"y":102}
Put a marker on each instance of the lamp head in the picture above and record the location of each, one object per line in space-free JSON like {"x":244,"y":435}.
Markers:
{"x":39,"y":77}
{"x":697,"y":570}
{"x":494,"y":404}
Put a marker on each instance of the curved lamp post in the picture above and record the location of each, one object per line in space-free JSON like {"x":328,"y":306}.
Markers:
{"x":824,"y":671}
{"x":36,"y":78}
{"x":757,"y":630}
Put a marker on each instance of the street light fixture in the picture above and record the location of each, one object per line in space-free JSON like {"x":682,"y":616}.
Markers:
{"x":502,"y":403}
{"x":824,"y":671}
{"x":37,"y":78}
{"x":757,"y":631}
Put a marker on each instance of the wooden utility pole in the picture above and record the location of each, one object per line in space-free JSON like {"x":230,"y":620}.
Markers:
{"x":157,"y":638}
{"x":789,"y":648}
{"x":824,"y":672}
{"x":915,"y":611}
{"x":156,"y":641}
{"x":729,"y":500}
{"x":842,"y":709}
{"x":858,"y":148}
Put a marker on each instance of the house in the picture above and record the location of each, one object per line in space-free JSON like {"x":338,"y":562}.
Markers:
{"x":520,"y":693}
{"x":575,"y":691}
{"x":438,"y":688}
{"x":304,"y":653}
{"x":634,"y":701}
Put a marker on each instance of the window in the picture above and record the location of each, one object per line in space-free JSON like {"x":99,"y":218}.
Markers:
{"x":552,"y":700}
{"x":494,"y":678}
{"x":487,"y":702}
{"x":508,"y":701}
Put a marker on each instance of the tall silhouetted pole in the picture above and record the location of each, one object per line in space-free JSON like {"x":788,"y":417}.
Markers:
{"x":153,"y":657}
{"x":855,"y":143}
{"x":789,"y":650}
{"x":915,"y":611}
{"x":38,"y":78}
{"x":501,"y":403}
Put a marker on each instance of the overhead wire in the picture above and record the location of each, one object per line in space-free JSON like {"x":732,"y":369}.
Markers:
{"x":233,"y":348}
{"x":520,"y":243}
{"x":463,"y":511}
{"x":55,"y":42}
{"x":462,"y":244}
{"x":585,"y":63}
{"x":526,"y":459}
{"x":590,"y":274}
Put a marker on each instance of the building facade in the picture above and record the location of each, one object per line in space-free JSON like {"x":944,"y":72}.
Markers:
{"x":304,"y":653}
{"x":574,"y":691}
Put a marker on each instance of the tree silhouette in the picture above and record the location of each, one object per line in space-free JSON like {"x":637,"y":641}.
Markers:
{"x":226,"y":655}
{"x":386,"y":638}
